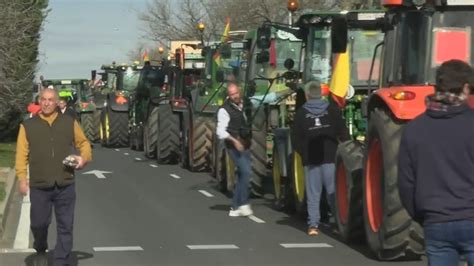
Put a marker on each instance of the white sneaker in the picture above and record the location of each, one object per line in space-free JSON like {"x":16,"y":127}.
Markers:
{"x":234,"y":213}
{"x":245,"y":210}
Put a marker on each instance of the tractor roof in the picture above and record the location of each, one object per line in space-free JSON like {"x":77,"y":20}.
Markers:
{"x":53,"y":82}
{"x":421,"y":3}
{"x":355,"y":18}
{"x":121,"y":67}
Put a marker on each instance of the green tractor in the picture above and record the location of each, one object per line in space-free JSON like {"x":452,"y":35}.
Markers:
{"x":120,"y":82}
{"x":80,"y":97}
{"x":222,"y":63}
{"x":323,"y":44}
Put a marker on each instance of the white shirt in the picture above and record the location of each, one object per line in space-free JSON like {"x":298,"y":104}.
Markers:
{"x":223,"y":119}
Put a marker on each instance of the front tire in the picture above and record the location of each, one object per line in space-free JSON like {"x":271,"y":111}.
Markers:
{"x":391,"y":233}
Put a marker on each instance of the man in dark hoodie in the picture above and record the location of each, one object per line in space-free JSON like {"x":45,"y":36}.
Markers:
{"x":436,"y":168}
{"x":318,"y":128}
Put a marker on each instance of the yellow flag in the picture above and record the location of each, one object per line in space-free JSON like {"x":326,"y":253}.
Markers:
{"x":225,"y":35}
{"x":341,"y":75}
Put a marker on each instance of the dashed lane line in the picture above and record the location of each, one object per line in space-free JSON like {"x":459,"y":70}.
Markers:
{"x":256,"y":219}
{"x":130,"y":248}
{"x":306,"y":245}
{"x":126,"y":153}
{"x":117,"y":149}
{"x":175,"y":176}
{"x":154,"y":165}
{"x":138,"y":159}
{"x":16,"y":250}
{"x":205,"y":193}
{"x":211,"y":247}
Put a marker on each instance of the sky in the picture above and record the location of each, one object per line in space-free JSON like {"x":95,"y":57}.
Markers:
{"x":81,"y":35}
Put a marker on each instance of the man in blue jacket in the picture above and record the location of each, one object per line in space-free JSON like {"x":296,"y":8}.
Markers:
{"x":436,"y":168}
{"x":318,"y":128}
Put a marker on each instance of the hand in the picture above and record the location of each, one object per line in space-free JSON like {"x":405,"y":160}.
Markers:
{"x":24,"y":186}
{"x":238,"y":145}
{"x":80,"y":162}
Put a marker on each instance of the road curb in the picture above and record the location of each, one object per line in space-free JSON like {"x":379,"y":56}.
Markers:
{"x":10,"y":185}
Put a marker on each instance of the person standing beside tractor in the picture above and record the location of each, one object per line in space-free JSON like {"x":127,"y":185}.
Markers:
{"x":318,"y":128}
{"x":51,"y":182}
{"x":436,"y":168}
{"x":233,"y":128}
{"x":65,"y":109}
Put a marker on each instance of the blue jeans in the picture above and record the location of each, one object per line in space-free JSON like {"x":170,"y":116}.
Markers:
{"x":446,"y":242}
{"x":244,"y":169}
{"x":317,"y":176}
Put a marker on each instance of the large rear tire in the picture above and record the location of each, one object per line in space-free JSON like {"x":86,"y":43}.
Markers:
{"x":199,"y":135}
{"x":118,"y":129}
{"x":298,"y":183}
{"x":391,"y":233}
{"x":259,"y":153}
{"x":167,"y":146}
{"x":281,"y":184}
{"x":150,"y":133}
{"x":90,"y":129}
{"x":348,"y":205}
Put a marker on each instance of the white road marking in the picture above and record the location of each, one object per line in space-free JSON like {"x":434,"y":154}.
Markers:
{"x":12,"y":250}
{"x":131,"y":248}
{"x":175,"y":176}
{"x":154,"y":165}
{"x":125,"y":153}
{"x":205,"y":193}
{"x":306,"y":245}
{"x":138,"y":159}
{"x":22,"y":236}
{"x":201,"y":247}
{"x":256,"y":219}
{"x":98,"y":173}
{"x":117,"y":149}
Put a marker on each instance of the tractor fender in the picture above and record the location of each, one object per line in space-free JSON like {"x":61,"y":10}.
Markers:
{"x":119,"y":107}
{"x":282,"y":142}
{"x":406,"y":109}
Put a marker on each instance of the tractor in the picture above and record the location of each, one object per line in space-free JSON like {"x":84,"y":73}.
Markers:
{"x":419,"y":36}
{"x":120,"y":82}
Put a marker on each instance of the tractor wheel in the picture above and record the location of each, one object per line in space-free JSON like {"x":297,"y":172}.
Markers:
{"x":117,"y":135}
{"x":150,"y":134}
{"x":167,"y":145}
{"x":348,"y":205}
{"x":298,"y":183}
{"x":281,"y":186}
{"x":87,"y":123}
{"x":200,"y":143}
{"x":104,"y":128}
{"x":259,"y":153}
{"x":391,"y":233}
{"x":219,"y":166}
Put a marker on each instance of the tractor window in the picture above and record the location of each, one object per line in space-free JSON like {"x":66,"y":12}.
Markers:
{"x":362,"y":45}
{"x":130,"y":79}
{"x":320,"y":65}
{"x":111,"y":81}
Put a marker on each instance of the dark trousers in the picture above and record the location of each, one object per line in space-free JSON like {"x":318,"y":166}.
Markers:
{"x":447,"y":242}
{"x":244,"y":169}
{"x":42,"y":201}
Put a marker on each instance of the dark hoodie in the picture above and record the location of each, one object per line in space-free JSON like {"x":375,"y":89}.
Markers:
{"x":317,"y":130}
{"x":436,"y":166}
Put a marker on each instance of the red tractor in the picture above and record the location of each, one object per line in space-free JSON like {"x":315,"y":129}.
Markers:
{"x":419,"y":36}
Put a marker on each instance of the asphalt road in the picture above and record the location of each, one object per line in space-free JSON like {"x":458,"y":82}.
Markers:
{"x":147,"y":214}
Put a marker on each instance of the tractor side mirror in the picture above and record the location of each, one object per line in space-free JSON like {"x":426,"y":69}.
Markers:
{"x":339,"y":35}
{"x":93,"y":74}
{"x":220,"y":77}
{"x":263,"y":57}
{"x":264,"y":35}
{"x":226,"y":51}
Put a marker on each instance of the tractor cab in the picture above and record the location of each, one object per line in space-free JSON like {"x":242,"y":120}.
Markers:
{"x":76,"y":91}
{"x":420,"y":36}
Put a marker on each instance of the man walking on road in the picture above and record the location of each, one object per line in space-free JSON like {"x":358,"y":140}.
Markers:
{"x":44,"y":141}
{"x":436,"y":168}
{"x":233,"y":128}
{"x":318,"y":129}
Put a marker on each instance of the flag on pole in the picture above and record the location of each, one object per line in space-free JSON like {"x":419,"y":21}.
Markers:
{"x":145,"y":56}
{"x":224,"y":38}
{"x":340,"y":79}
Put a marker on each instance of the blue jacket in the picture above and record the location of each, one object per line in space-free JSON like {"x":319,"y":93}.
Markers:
{"x":436,"y":166}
